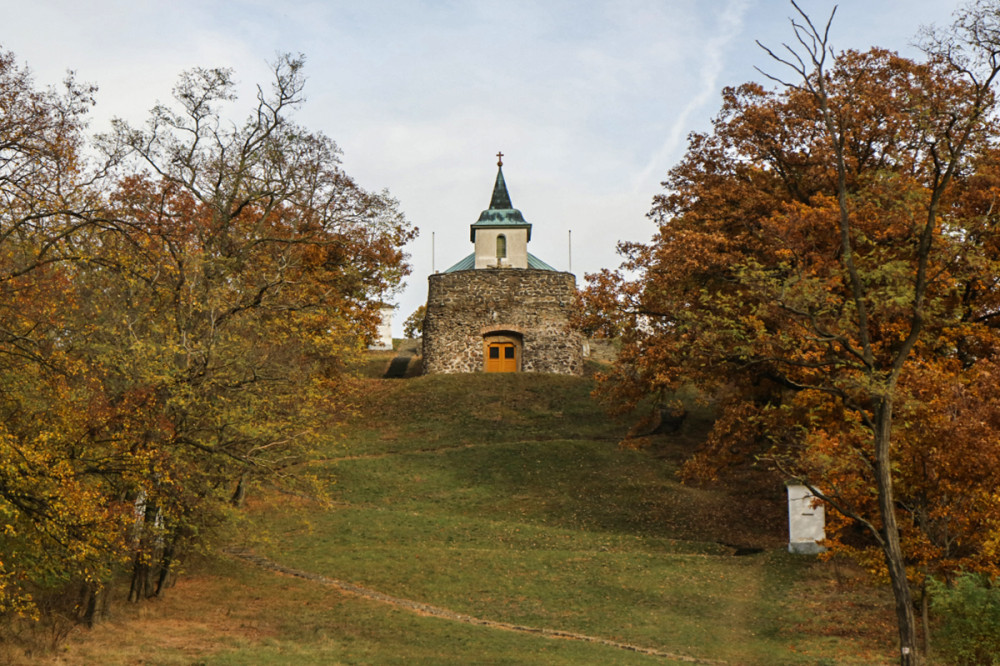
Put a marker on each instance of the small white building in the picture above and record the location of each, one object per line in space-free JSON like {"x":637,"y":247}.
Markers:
{"x":806,"y":521}
{"x":383,"y":336}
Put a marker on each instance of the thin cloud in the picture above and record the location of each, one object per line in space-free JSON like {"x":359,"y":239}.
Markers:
{"x":729,"y":26}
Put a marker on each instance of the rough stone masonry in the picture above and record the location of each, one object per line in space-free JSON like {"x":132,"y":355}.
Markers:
{"x":465,"y":308}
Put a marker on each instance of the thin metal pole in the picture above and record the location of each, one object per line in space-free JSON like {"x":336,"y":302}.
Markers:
{"x":433,"y":269}
{"x":570,"y":251}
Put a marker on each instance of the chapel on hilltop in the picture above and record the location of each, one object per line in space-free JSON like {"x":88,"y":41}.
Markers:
{"x":501,"y":309}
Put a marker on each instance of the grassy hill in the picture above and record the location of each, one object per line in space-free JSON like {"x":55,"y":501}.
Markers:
{"x":487,"y":519}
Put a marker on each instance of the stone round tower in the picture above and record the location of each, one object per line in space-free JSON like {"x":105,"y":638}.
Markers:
{"x":501,"y":309}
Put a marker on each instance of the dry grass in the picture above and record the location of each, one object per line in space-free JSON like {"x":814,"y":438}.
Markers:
{"x":201,"y":615}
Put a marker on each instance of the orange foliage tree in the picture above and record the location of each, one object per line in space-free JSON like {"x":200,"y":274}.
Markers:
{"x":58,"y":525}
{"x":413,"y":327}
{"x":826,"y":268}
{"x":243,"y":276}
{"x":176,"y":322}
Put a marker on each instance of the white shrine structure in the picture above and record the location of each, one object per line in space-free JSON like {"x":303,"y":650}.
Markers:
{"x":806,"y":521}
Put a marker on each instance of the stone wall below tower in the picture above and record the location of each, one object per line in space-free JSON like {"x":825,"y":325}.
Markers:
{"x":465,"y":306}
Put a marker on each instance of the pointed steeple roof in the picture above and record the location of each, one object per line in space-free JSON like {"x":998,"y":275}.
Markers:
{"x":501,"y":212}
{"x":501,"y":199}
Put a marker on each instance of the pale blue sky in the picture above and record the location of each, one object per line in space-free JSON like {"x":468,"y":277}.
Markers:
{"x":589,"y":100}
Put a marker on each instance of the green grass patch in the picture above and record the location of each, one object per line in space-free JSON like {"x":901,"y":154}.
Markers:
{"x":507,"y":498}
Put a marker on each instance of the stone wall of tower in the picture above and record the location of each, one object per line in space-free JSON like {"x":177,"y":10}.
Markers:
{"x":465,"y":306}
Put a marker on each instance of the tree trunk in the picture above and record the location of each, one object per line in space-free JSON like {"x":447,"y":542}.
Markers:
{"x":925,"y":620}
{"x":240,"y":493}
{"x":90,"y":604}
{"x":140,"y":579}
{"x":891,"y":548}
{"x":163,"y":575}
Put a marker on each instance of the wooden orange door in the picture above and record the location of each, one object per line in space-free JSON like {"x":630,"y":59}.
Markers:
{"x":501,"y":357}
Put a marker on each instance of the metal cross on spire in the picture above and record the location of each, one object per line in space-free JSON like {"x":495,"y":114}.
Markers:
{"x":499,"y":159}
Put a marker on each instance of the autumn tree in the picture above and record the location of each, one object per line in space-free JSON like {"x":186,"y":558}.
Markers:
{"x":825,"y":268}
{"x":243,"y":275}
{"x":59,"y":526}
{"x":413,"y":327}
{"x":175,"y":322}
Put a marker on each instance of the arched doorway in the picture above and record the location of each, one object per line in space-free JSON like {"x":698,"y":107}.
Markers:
{"x":502,"y":352}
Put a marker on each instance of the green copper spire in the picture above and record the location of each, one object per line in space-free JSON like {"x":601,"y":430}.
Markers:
{"x":501,"y":212}
{"x":501,"y":199}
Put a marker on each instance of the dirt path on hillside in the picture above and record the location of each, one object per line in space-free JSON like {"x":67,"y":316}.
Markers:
{"x":439,"y":450}
{"x":444,"y":613}
{"x":389,"y":454}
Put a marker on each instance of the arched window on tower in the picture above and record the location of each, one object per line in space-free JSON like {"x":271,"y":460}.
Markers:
{"x":501,"y":247}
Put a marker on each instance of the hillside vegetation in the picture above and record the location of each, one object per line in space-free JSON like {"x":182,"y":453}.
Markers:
{"x":507,"y":502}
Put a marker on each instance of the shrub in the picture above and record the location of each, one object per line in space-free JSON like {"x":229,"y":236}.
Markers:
{"x":968,"y":632}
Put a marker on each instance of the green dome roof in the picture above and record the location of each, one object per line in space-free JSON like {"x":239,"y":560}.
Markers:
{"x":469,"y":263}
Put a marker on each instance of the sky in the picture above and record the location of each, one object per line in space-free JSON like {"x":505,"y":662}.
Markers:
{"x":590,"y":101}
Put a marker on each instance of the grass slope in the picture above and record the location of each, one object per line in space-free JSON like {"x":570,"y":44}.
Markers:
{"x":506,"y":498}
